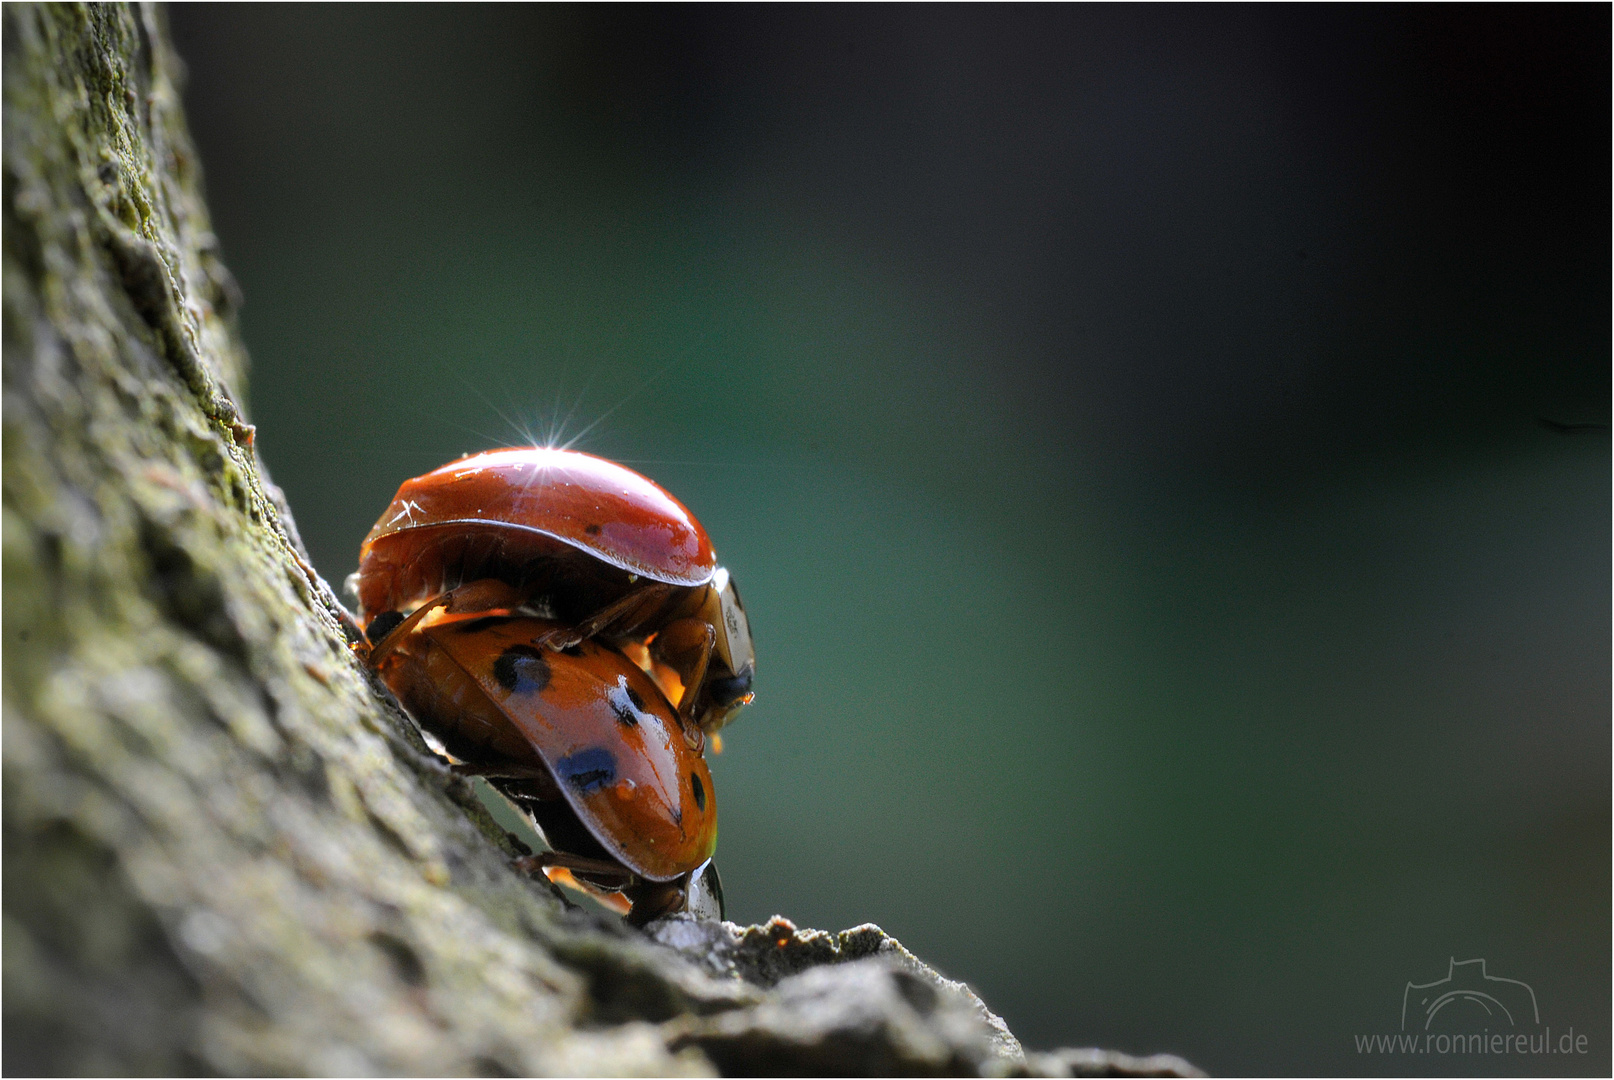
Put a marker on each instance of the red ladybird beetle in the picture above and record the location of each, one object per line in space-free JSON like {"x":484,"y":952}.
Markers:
{"x":584,"y":541}
{"x":560,"y":624}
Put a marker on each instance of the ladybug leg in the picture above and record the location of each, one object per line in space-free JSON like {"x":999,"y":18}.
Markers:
{"x":604,"y":881}
{"x":611,"y":872}
{"x":621,"y":616}
{"x":685,"y":645}
{"x":612,"y":899}
{"x":484,"y":595}
{"x":698,"y":892}
{"x":653,"y":899}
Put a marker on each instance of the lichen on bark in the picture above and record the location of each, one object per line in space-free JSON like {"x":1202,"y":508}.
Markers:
{"x":225,"y":849}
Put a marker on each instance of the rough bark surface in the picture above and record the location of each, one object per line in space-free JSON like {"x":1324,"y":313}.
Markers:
{"x":225,"y":849}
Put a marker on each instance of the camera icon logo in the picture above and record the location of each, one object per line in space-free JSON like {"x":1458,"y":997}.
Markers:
{"x":1468,"y":997}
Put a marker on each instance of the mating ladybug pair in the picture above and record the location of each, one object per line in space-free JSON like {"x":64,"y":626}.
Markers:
{"x":559,"y":623}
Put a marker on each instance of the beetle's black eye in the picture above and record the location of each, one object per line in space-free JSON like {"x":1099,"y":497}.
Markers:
{"x":626,"y":703}
{"x":382,"y":625}
{"x":700,"y":792}
{"x":725,"y":692}
{"x":521,"y":669}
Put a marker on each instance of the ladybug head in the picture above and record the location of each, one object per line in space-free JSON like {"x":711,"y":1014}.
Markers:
{"x":728,"y":683}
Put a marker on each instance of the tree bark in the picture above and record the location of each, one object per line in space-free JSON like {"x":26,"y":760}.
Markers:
{"x":225,"y":848}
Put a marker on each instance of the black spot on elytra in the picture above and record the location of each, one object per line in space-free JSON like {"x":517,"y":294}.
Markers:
{"x":700,"y":792}
{"x":625,"y":703}
{"x":574,"y":649}
{"x":521,"y":669}
{"x":588,"y":769}
{"x":382,"y":625}
{"x":592,"y":530}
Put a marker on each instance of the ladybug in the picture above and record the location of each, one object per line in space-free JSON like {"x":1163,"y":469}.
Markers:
{"x":559,"y":623}
{"x":582,"y":540}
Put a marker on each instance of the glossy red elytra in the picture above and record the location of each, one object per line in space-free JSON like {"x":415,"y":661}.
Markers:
{"x":560,"y":624}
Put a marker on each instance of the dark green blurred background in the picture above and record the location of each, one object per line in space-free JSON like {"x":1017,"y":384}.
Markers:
{"x":1174,"y":617}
